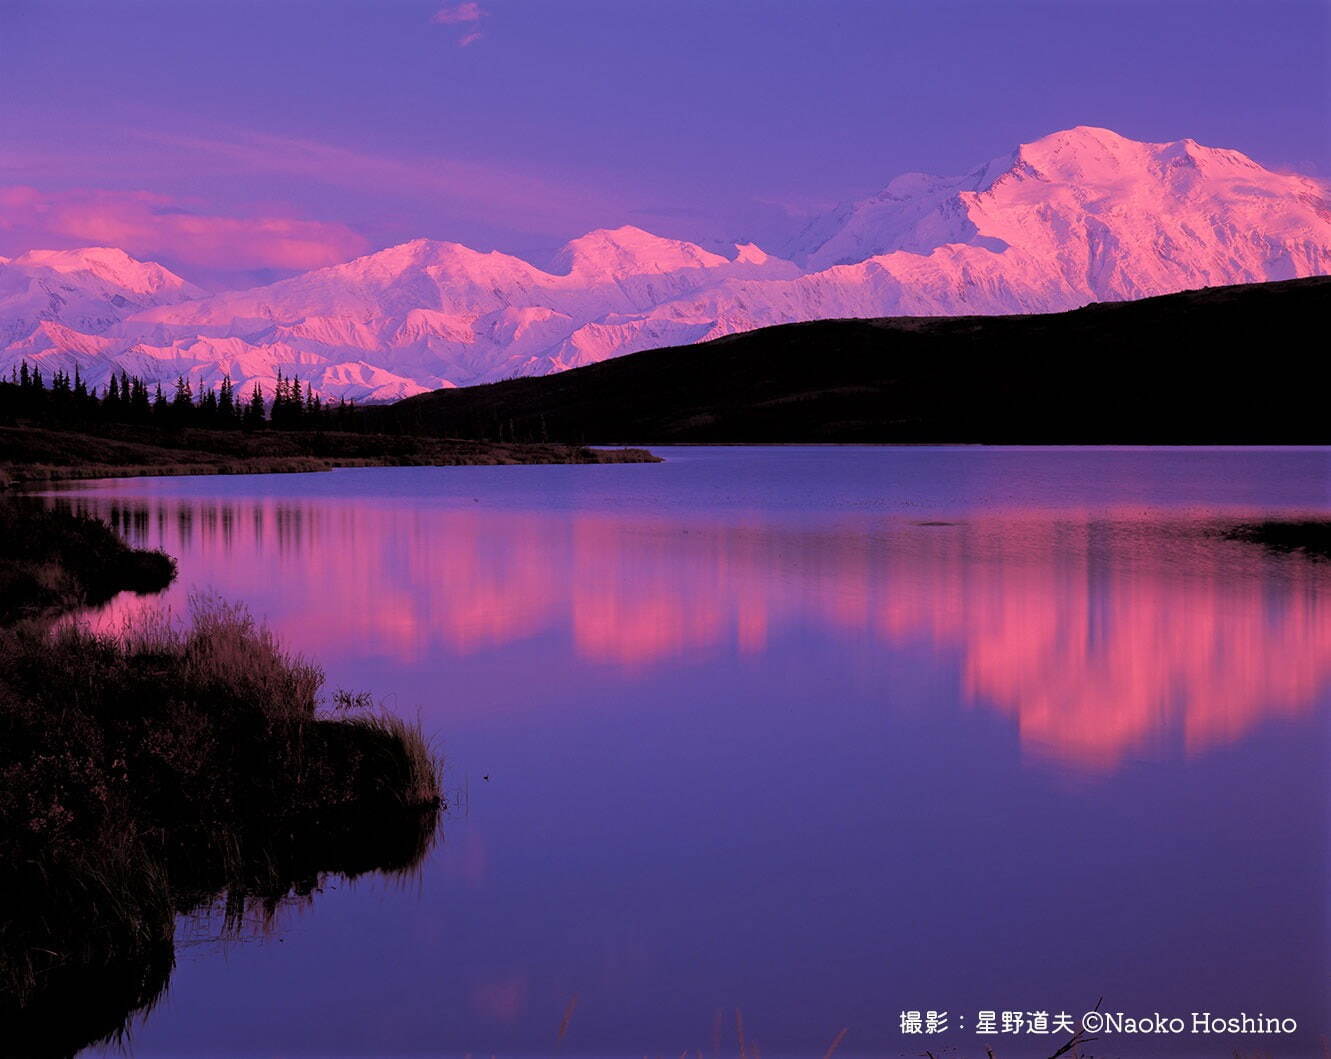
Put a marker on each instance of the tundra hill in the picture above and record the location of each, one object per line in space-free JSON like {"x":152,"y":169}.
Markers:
{"x":1239,"y":364}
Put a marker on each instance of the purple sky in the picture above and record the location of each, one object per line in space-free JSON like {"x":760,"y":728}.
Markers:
{"x":236,"y":139}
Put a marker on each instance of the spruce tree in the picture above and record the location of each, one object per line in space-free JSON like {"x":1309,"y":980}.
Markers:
{"x":253,"y":418}
{"x":226,"y":407}
{"x":184,"y":393}
{"x":140,"y":411}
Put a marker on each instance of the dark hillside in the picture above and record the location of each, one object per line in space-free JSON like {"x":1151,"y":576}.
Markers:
{"x":1225,"y":364}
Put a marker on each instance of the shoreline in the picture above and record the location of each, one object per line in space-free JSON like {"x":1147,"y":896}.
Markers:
{"x":37,"y":477}
{"x":31,"y":457}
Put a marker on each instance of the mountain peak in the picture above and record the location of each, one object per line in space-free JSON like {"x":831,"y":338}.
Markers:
{"x":1063,"y":184}
{"x":416,"y":258}
{"x":1081,"y":136}
{"x":411,"y":254}
{"x":79,"y":258}
{"x":112,"y":265}
{"x":1082,"y":152}
{"x":1088,"y":154}
{"x":751,"y":254}
{"x":628,"y":250}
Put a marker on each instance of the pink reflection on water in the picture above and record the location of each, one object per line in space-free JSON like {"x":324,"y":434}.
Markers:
{"x":504,"y":1000}
{"x":1102,"y":642}
{"x":1100,"y":637}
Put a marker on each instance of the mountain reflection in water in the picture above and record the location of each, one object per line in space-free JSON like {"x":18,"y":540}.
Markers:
{"x":1100,"y":636}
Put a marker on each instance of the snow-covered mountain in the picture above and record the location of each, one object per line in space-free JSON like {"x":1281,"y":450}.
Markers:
{"x":1082,"y":215}
{"x":86,"y":291}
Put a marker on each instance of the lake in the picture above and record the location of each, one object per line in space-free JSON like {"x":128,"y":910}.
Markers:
{"x":814,"y":735}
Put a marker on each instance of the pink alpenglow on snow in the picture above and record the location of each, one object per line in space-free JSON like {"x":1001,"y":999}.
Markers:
{"x":1079,"y":216}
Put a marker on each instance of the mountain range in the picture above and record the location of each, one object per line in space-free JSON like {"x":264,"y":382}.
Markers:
{"x":1083,"y":215}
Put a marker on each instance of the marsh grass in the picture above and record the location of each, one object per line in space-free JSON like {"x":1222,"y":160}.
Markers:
{"x":408,"y":771}
{"x":172,"y":766}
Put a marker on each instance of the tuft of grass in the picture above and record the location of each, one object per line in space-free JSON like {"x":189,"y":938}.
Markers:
{"x":225,"y":653}
{"x":393,"y":760}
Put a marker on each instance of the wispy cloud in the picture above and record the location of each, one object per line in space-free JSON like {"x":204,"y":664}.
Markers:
{"x":533,"y":202}
{"x":452,"y":13}
{"x":158,"y":227}
{"x":242,"y":177}
{"x":463,"y":15}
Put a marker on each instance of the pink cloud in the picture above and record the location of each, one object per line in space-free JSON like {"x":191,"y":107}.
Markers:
{"x":468,"y":12}
{"x":154,"y":226}
{"x":465,"y":14}
{"x":537,"y":202}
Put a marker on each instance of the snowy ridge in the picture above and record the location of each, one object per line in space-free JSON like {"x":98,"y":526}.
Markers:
{"x":1081,"y":215}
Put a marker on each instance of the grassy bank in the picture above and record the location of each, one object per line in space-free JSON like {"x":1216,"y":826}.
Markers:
{"x":31,"y":454}
{"x":176,"y":766}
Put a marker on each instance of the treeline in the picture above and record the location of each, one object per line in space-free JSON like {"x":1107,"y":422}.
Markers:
{"x":66,"y":400}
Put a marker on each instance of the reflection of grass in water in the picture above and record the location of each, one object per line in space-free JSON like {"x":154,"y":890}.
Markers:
{"x":1312,"y":537}
{"x":168,"y":769}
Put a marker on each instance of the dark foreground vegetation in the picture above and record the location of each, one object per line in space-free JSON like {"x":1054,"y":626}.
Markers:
{"x":167,"y":769}
{"x":52,"y":561}
{"x":1228,"y":364}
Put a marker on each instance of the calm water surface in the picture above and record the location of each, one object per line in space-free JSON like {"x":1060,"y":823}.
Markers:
{"x":815,"y":734}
